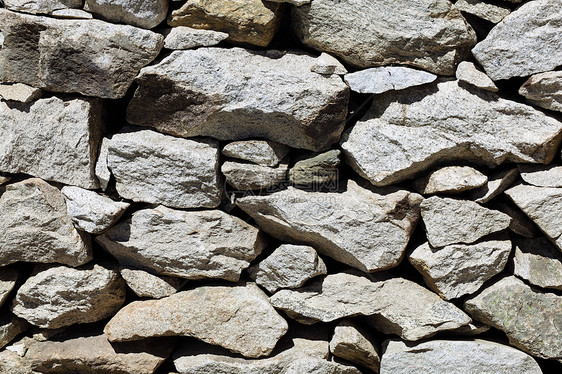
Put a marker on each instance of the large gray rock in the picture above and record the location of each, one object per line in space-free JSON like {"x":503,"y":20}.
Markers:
{"x":10,"y":327}
{"x":41,"y":6}
{"x":244,"y":176}
{"x":379,"y":80}
{"x":450,"y":179}
{"x":544,"y":90}
{"x":460,"y":269}
{"x":8,"y":279}
{"x":369,"y":33}
{"x":182,"y":37}
{"x":405,"y":133}
{"x":261,"y":152}
{"x":358,"y":227}
{"x":233,"y":94}
{"x":145,"y":284}
{"x":141,"y":13}
{"x":161,"y":169}
{"x":35,"y":226}
{"x":354,"y":345}
{"x":394,"y":306}
{"x":54,"y":139}
{"x":238,"y":318}
{"x":539,"y":262}
{"x":91,"y":57}
{"x":60,"y":296}
{"x":531,"y":319}
{"x":187,"y":244}
{"x":526,"y":42}
{"x":450,"y":221}
{"x":455,"y":357}
{"x":484,"y":10}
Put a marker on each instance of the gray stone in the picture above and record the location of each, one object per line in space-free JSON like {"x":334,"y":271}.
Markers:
{"x":187,"y":244}
{"x":520,"y":223}
{"x":407,"y":132}
{"x":354,"y":345}
{"x":544,"y":90}
{"x":531,"y":319}
{"x":481,"y":9}
{"x":455,"y":357}
{"x":541,"y":175}
{"x":72,"y":14}
{"x":449,"y":221}
{"x":54,"y":139}
{"x":358,"y":227}
{"x":90,"y":211}
{"x":394,"y":306}
{"x":450,"y":179}
{"x":101,"y":169}
{"x":8,"y":279}
{"x":238,"y":318}
{"x":244,"y":176}
{"x":539,"y":262}
{"x":161,"y":169}
{"x":261,"y":152}
{"x":318,"y":170}
{"x":182,"y":37}
{"x":41,"y":6}
{"x":328,"y":65}
{"x":141,"y":13}
{"x":459,"y":269}
{"x":388,"y":78}
{"x":468,"y":73}
{"x":145,"y":284}
{"x":60,"y":296}
{"x":497,"y":183}
{"x":10,"y":327}
{"x":526,"y":41}
{"x":289,"y":266}
{"x":20,"y":92}
{"x":35,"y":226}
{"x":368,"y":33}
{"x":91,"y":57}
{"x":233,"y":94}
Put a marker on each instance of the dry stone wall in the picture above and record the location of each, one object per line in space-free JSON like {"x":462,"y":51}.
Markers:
{"x":280,"y":187}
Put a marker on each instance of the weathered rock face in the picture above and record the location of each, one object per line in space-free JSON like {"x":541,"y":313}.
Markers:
{"x":238,"y":318}
{"x":544,"y":90}
{"x":245,"y":21}
{"x":328,"y":65}
{"x":541,"y":175}
{"x":20,"y":92}
{"x":379,"y":80}
{"x":60,"y":296}
{"x":245,"y":176}
{"x":405,"y":133}
{"x":8,"y":279}
{"x":437,"y":36}
{"x":467,"y":72}
{"x":459,"y":269}
{"x":354,"y":345}
{"x":529,"y":318}
{"x":259,"y":152}
{"x":481,"y":9}
{"x":193,"y":245}
{"x":145,"y":284}
{"x":40,"y":6}
{"x":455,"y":356}
{"x":100,"y":58}
{"x":10,"y":327}
{"x":55,"y":139}
{"x":512,"y":48}
{"x":160,"y":169}
{"x":182,"y":37}
{"x":36,"y":228}
{"x":539,"y":262}
{"x":358,"y":227}
{"x":141,"y":13}
{"x":316,"y":170}
{"x":450,"y":179}
{"x":232,"y":94}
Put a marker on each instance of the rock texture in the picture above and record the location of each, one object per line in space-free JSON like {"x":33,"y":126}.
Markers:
{"x":41,"y":6}
{"x":10,"y":327}
{"x":354,"y":345}
{"x":468,"y":73}
{"x":358,"y":227}
{"x":497,"y":183}
{"x":379,"y":80}
{"x":101,"y":169}
{"x":145,"y":284}
{"x":405,"y":133}
{"x":481,"y":9}
{"x":8,"y":279}
{"x":259,"y":152}
{"x":20,"y":92}
{"x":188,"y":244}
{"x":318,"y":170}
{"x":544,"y":90}
{"x":182,"y":37}
{"x":141,"y":13}
{"x":539,"y":262}
{"x":542,"y":175}
{"x":450,"y":179}
{"x":238,"y":318}
{"x":36,"y":228}
{"x":232,"y":94}
{"x":328,"y":65}
{"x":243,"y":176}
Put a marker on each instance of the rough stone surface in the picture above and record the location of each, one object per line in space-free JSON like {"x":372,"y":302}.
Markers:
{"x":530,"y":319}
{"x":182,"y":37}
{"x":497,"y":183}
{"x":328,"y":65}
{"x":449,"y":221}
{"x":259,"y":152}
{"x":60,"y":296}
{"x":245,"y":21}
{"x":90,"y":211}
{"x":394,"y":306}
{"x":358,"y":227}
{"x":193,"y":244}
{"x":145,"y":284}
{"x":289,"y":266}
{"x":72,"y":14}
{"x":8,"y":279}
{"x":10,"y":327}
{"x":54,"y":139}
{"x":457,"y":270}
{"x":233,"y":94}
{"x":141,"y":13}
{"x":481,"y":9}
{"x":539,"y":262}
{"x":101,"y":169}
{"x":91,"y":57}
{"x":526,"y":42}
{"x":41,"y":6}
{"x":161,"y":169}
{"x":35,"y":226}
{"x":468,"y":73}
{"x":11,"y":362}
{"x":20,"y":92}
{"x":238,"y":318}
{"x":244,"y":176}
{"x":379,"y":80}
{"x":450,"y":179}
{"x":437,"y":36}
{"x":520,"y":223}
{"x":544,"y":90}
{"x":542,"y":175}
{"x":405,"y":133}
{"x":455,"y":356}
{"x":354,"y":345}
{"x":317,"y":170}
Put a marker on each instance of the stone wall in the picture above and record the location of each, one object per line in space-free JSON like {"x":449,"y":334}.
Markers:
{"x":288,"y":186}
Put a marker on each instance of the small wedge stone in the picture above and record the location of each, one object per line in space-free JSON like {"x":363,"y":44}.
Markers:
{"x":541,"y":175}
{"x":8,"y":279}
{"x":450,"y":179}
{"x":354,"y":345}
{"x":539,"y":262}
{"x":481,"y":9}
{"x":243,"y":176}
{"x":20,"y":92}
{"x":497,"y":183}
{"x":182,"y":37}
{"x":145,"y":284}
{"x":261,"y":152}
{"x":544,"y":90}
{"x":467,"y":72}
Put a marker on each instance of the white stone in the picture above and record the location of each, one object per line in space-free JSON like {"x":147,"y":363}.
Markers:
{"x":539,"y":262}
{"x":101,"y":169}
{"x":20,"y":92}
{"x":468,"y":73}
{"x":450,"y":179}
{"x":41,"y":6}
{"x":541,"y":175}
{"x":354,"y":345}
{"x":72,"y":14}
{"x":544,"y":90}
{"x":497,"y":183}
{"x":182,"y":37}
{"x":389,"y":78}
{"x":141,"y":13}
